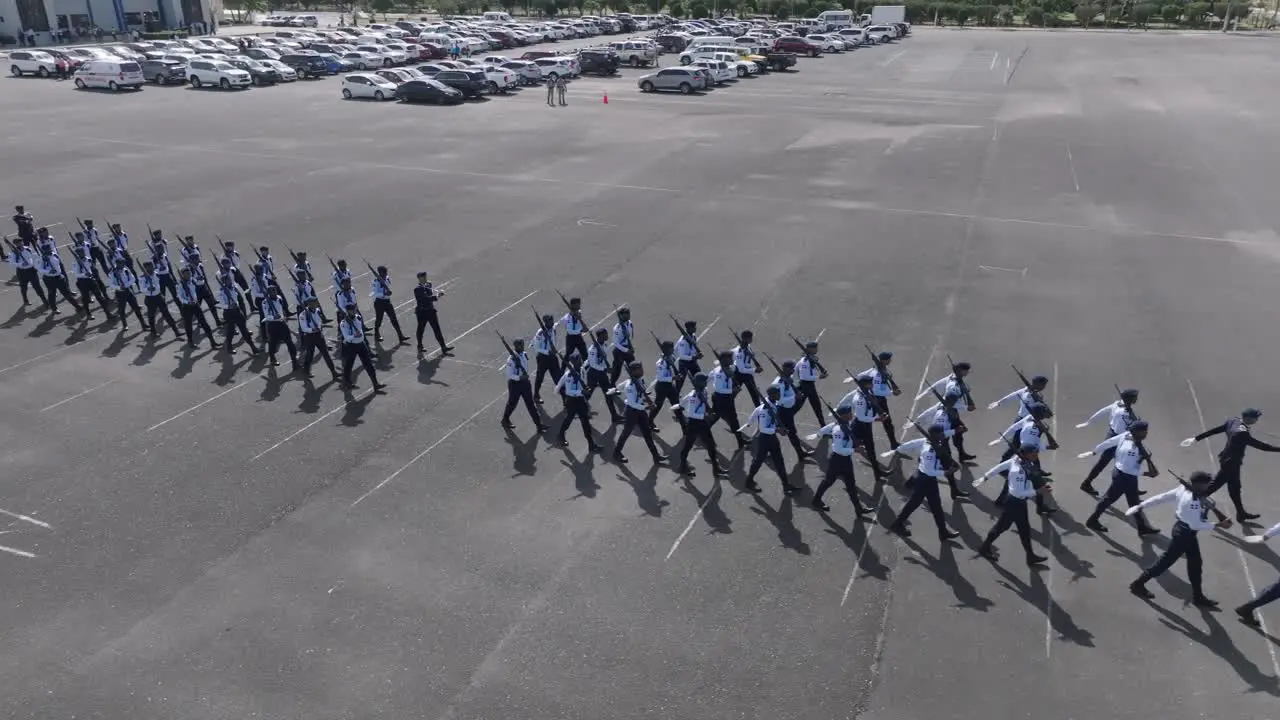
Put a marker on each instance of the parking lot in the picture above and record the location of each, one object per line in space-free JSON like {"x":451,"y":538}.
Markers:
{"x":204,"y":538}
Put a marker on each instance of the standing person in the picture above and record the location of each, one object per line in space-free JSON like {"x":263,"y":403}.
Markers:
{"x":24,"y":260}
{"x":572,"y":387}
{"x":231,"y":299}
{"x":544,"y":349}
{"x":277,"y":330}
{"x":425,"y":298}
{"x":1232,"y":456}
{"x":353,"y":345}
{"x":87,"y":283}
{"x":518,"y":386}
{"x":311,"y":333}
{"x":636,"y":405}
{"x":664,"y":382}
{"x":125,"y":286}
{"x":1129,"y":456}
{"x":382,"y":306}
{"x":693,"y":410}
{"x":1024,"y":483}
{"x":551,"y":92}
{"x":55,"y":281}
{"x":765,"y":420}
{"x":1194,"y":506}
{"x":840,"y":461}
{"x":1269,"y":594}
{"x":562,"y":85}
{"x":189,"y":308}
{"x":935,"y":463}
{"x":1119,"y":416}
{"x":153,"y":298}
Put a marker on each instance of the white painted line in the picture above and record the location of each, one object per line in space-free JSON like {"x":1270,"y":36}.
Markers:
{"x":79,"y":394}
{"x":1072,"y":162}
{"x":15,"y":551}
{"x":1053,"y":533}
{"x":26,"y":518}
{"x":193,"y":408}
{"x":994,"y":58}
{"x":1244,"y":563}
{"x":715,"y":490}
{"x":893,"y":59}
{"x":1007,"y":62}
{"x":51,"y":353}
{"x":995,"y":131}
{"x":707,"y":329}
{"x":366,"y":393}
{"x":992,"y":268}
{"x":431,"y":447}
{"x":866,"y":538}
{"x":821,"y":332}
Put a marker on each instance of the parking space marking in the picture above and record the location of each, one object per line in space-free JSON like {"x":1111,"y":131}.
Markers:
{"x":368,"y":392}
{"x":197,"y":406}
{"x":15,"y":551}
{"x":892,"y":59}
{"x":51,"y":353}
{"x":26,"y":518}
{"x":80,"y":394}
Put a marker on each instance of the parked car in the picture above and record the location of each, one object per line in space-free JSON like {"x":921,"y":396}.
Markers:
{"x":828,"y":43}
{"x":215,"y":72}
{"x":500,"y":79}
{"x":396,"y":76}
{"x":286,"y":73}
{"x":115,"y":74}
{"x":599,"y":62}
{"x":32,"y":62}
{"x":335,"y":64}
{"x":367,"y":85}
{"x":880,"y":34}
{"x":163,"y":71}
{"x":259,"y":74}
{"x":307,"y":66}
{"x":526,"y":72}
{"x":362,"y":60}
{"x":683,"y":79}
{"x":471,"y":83}
{"x":636,"y":53}
{"x":428,"y":90}
{"x":797,"y":45}
{"x":262,"y":54}
{"x":719,"y":69}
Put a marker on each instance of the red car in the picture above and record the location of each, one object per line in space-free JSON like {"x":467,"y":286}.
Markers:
{"x":430,"y":51}
{"x":797,"y":45}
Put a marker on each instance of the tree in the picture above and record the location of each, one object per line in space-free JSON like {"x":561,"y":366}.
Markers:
{"x":1035,"y":15}
{"x":1005,"y":15}
{"x":1196,"y":13}
{"x":1085,"y":13}
{"x":1171,"y":13}
{"x":381,"y":6}
{"x":697,"y":9}
{"x":1142,"y":14}
{"x":961,"y":14}
{"x":986,"y":14}
{"x":579,"y":4}
{"x":548,"y":7}
{"x":591,"y":7}
{"x":509,"y":5}
{"x":675,"y":9}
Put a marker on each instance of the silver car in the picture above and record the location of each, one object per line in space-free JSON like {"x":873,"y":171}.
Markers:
{"x":684,"y":79}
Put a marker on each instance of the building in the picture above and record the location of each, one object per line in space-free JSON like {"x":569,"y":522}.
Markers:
{"x":43,"y":16}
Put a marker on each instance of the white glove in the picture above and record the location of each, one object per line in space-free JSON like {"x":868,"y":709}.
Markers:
{"x":1255,"y":539}
{"x":1188,"y":442}
{"x":995,"y":442}
{"x":1133,"y":510}
{"x":1084,"y":455}
{"x":993,"y":406}
{"x":890,"y":453}
{"x":979,"y":481}
{"x":847,"y":380}
{"x":812,"y":437}
{"x":1083,"y":425}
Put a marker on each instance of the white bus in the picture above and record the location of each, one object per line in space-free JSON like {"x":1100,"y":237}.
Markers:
{"x":836,"y":19}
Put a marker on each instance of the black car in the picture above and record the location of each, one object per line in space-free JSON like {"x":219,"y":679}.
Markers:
{"x":432,"y":69}
{"x":430,"y":91}
{"x":260,"y":74}
{"x":672,"y":42}
{"x":598,"y":62}
{"x":306,"y":65}
{"x":471,"y":83}
{"x":164,"y":70}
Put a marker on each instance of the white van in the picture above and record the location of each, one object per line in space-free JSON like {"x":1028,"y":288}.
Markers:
{"x":834,"y":20}
{"x":307,"y":21}
{"x":710,"y":40}
{"x":497,"y":17}
{"x":110,"y":74}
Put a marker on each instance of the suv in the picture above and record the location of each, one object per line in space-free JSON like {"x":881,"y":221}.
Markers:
{"x":34,"y":62}
{"x":599,"y":62}
{"x":471,"y":83}
{"x":638,"y":53}
{"x":216,"y":72}
{"x":798,"y":45}
{"x":306,"y":65}
{"x":259,"y":73}
{"x":162,"y":71}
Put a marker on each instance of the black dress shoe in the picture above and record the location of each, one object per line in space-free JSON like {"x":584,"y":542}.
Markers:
{"x":818,"y":505}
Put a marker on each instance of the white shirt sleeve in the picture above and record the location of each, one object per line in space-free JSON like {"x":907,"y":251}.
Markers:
{"x":913,"y":447}
{"x":1011,"y":396}
{"x":1002,"y":467}
{"x":1106,"y":410}
{"x":830,"y":428}
{"x":560,"y":382}
{"x":1108,"y":443}
{"x":1274,"y":531}
{"x":937,"y":386}
{"x":931,"y":409}
{"x":753,"y":421}
{"x":1162,"y":498}
{"x":1009,"y":431}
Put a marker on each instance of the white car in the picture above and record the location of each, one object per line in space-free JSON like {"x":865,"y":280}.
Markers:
{"x":554,"y":67}
{"x":286,"y":73}
{"x":828,"y":43}
{"x":526,"y":71}
{"x":202,"y":71}
{"x":881,"y":34}
{"x":500,"y":79}
{"x":853,"y":36}
{"x":363,"y":60}
{"x":390,"y":31}
{"x":719,"y":69}
{"x":495,"y":59}
{"x":386,"y":55}
{"x":741,"y":68}
{"x":91,"y":53}
{"x":33,"y":62}
{"x":368,"y":85}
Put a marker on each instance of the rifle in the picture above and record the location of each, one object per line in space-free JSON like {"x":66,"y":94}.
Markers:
{"x":294,"y":255}
{"x":692,"y":339}
{"x":223,"y":244}
{"x":671,"y":363}
{"x":953,"y":415}
{"x":81,"y":224}
{"x":1133,"y":416}
{"x":1044,"y":430}
{"x":884,"y":372}
{"x":626,"y":334}
{"x":806,"y":354}
{"x":964,"y":386}
{"x":871,"y":400}
{"x":940,"y":451}
{"x":1035,"y":394}
{"x":520,"y":368}
{"x":746,"y":350}
{"x":332,"y":264}
{"x":150,"y":233}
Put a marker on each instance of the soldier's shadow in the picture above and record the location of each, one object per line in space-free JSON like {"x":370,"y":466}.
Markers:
{"x":150,"y":348}
{"x":712,"y":514}
{"x":524,"y":453}
{"x":583,"y":474}
{"x":783,"y":519}
{"x":118,"y":345}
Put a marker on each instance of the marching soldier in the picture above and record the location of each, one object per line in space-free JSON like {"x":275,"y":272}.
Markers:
{"x":1269,"y":594}
{"x":664,"y":382}
{"x":787,"y":407}
{"x":164,"y":272}
{"x":203,"y":293}
{"x":722,"y":396}
{"x":190,"y":251}
{"x":1129,"y":455}
{"x":935,"y":463}
{"x":693,"y":411}
{"x":1027,"y":431}
{"x":765,"y":420}
{"x":1024,"y":483}
{"x":353,"y":345}
{"x":624,"y":352}
{"x":125,"y":286}
{"x":311,"y":334}
{"x":229,"y":252}
{"x":1119,"y":416}
{"x":157,"y":244}
{"x":544,"y":349}
{"x":518,"y":386}
{"x":259,"y":284}
{"x":120,"y":246}
{"x":687,"y":354}
{"x":268,"y":264}
{"x":45,"y":242}
{"x":93,"y":241}
{"x":1232,"y":456}
{"x":955,"y":385}
{"x":189,"y":308}
{"x":304,"y":291}
{"x":1024,"y":396}
{"x":303,"y":265}
{"x":345,"y":299}
{"x":746,"y":366}
{"x":947,"y":414}
{"x":865,"y":412}
{"x":1192,"y":512}
{"x":425,"y":298}
{"x":809,"y":372}
{"x":598,"y":373}
{"x":340,"y":273}
{"x":153,"y":298}
{"x":277,"y":330}
{"x":82,"y":266}
{"x":26,"y":224}
{"x":637,"y":405}
{"x":574,"y":328}
{"x":24,"y":260}
{"x":572,"y":387}
{"x":382,"y":306}
{"x":233,"y":314}
{"x":55,"y":281}
{"x":840,"y":461}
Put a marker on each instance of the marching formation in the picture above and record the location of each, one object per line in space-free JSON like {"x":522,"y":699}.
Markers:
{"x":595,"y":359}
{"x":36,"y":255}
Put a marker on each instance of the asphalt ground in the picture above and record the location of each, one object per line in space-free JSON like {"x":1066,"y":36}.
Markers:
{"x":201,"y":538}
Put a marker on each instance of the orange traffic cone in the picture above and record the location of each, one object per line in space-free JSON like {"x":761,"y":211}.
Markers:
{"x":606,"y":98}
